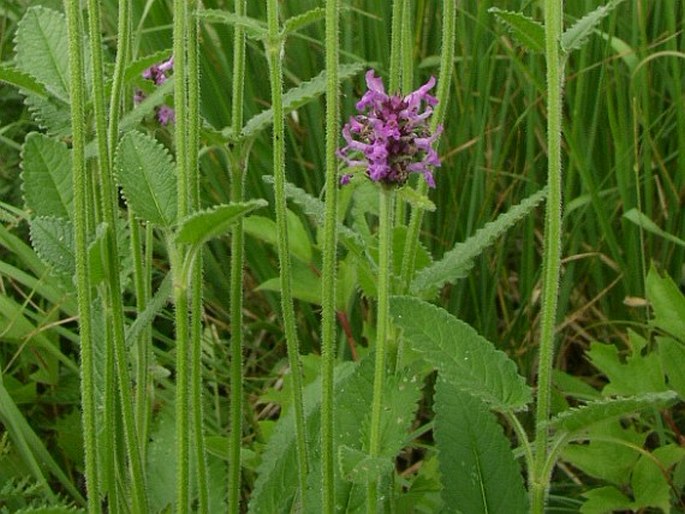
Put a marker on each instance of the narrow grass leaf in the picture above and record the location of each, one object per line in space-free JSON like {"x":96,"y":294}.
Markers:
{"x":479,"y":472}
{"x":457,"y":263}
{"x":53,"y":240}
{"x":580,"y":418}
{"x":577,"y":34}
{"x":41,"y":49}
{"x":299,"y":96}
{"x":46,"y":176}
{"x":463,"y":357}
{"x":148,"y":178}
{"x":642,"y":221}
{"x":202,"y":226}
{"x":527,"y":32}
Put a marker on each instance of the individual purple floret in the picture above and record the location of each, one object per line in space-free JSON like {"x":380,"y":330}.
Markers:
{"x":390,"y":136}
{"x":158,"y":74}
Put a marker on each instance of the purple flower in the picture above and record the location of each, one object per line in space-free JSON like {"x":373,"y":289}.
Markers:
{"x":158,"y":74}
{"x":390,"y":136}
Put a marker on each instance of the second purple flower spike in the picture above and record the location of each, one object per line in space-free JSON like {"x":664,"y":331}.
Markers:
{"x":390,"y":136}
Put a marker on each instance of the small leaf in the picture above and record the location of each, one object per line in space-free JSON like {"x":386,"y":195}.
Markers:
{"x":479,"y":472}
{"x":50,"y":114}
{"x":147,"y":177}
{"x":299,"y":96}
{"x":526,"y":31}
{"x":668,"y":304}
{"x":416,"y":200}
{"x":575,"y":420}
{"x":577,"y":34}
{"x":456,"y":263}
{"x":22,"y":80}
{"x":302,"y":20}
{"x":46,"y":176}
{"x":135,"y":70}
{"x":359,"y":467}
{"x":642,"y":221}
{"x":650,"y":487}
{"x":672,"y":354}
{"x":200,"y":227}
{"x":53,"y":240}
{"x":41,"y":49}
{"x":154,"y":307}
{"x":256,"y":29}
{"x":264,"y":228}
{"x":463,"y":357}
{"x":605,"y":499}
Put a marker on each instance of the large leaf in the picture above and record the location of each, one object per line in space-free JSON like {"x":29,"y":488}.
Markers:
{"x":577,"y":34}
{"x":527,"y":32}
{"x":463,"y":358}
{"x":41,"y":49}
{"x":53,"y":240}
{"x":200,"y":227}
{"x":299,"y":96}
{"x":456,"y":263}
{"x":577,"y":419}
{"x":147,"y":177}
{"x":479,"y":472}
{"x":46,"y":176}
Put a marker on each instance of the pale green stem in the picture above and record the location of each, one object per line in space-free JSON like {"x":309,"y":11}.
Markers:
{"x":123,"y":53}
{"x":274,"y":46}
{"x":77,"y":97}
{"x":180,"y":32}
{"x":407,"y":57}
{"x":385,"y":228}
{"x":449,"y":14}
{"x":551,"y":262}
{"x":395,"y":48}
{"x":237,"y":173}
{"x":196,"y":274}
{"x":330,"y":242}
{"x":113,"y":297}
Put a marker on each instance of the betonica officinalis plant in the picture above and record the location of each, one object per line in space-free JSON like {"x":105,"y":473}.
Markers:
{"x":342,"y":256}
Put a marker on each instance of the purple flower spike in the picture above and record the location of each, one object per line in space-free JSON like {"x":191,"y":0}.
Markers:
{"x":158,"y":74}
{"x":390,"y":136}
{"x":166,"y":115}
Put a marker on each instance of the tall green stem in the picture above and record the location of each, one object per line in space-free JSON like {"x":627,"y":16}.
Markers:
{"x":77,"y":96}
{"x":551,"y":263}
{"x":449,"y":15}
{"x":178,"y":252}
{"x":274,"y":47}
{"x":385,"y":227}
{"x":237,"y":172}
{"x":330,"y":241}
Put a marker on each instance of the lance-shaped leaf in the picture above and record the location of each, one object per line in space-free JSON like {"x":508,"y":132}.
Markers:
{"x":577,"y":34}
{"x":147,"y":177}
{"x":200,"y":227}
{"x":254,"y":28}
{"x":463,"y":357}
{"x":456,"y":263}
{"x":641,"y":220}
{"x":527,"y":32}
{"x":479,"y":472}
{"x":46,"y":175}
{"x":302,"y":20}
{"x":577,"y":419}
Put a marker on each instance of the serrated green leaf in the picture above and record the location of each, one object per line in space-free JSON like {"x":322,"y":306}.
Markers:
{"x":145,"y":108}
{"x":479,"y":472}
{"x":642,"y":221}
{"x":650,"y":487}
{"x":463,"y":357}
{"x":457,"y":263}
{"x":605,"y":499}
{"x":200,"y":227}
{"x":527,"y":32}
{"x":136,"y":68}
{"x":161,"y":460}
{"x":264,"y":228}
{"x":300,"y":21}
{"x":22,"y":80}
{"x":46,"y":176}
{"x":41,"y":49}
{"x":254,"y":28}
{"x":577,"y":419}
{"x":154,"y":307}
{"x":50,"y":114}
{"x":147,"y":177}
{"x":416,"y":200}
{"x":53,"y":240}
{"x":359,"y":467}
{"x":668,"y":304}
{"x":577,"y":34}
{"x":672,"y":356}
{"x":299,"y":96}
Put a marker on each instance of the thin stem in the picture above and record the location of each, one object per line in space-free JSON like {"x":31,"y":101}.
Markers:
{"x":180,"y":32}
{"x":330,"y":242}
{"x":196,"y":274}
{"x":237,"y":171}
{"x":551,"y":262}
{"x":449,"y":15}
{"x":123,"y":53}
{"x":77,"y":94}
{"x":274,"y":47}
{"x":395,"y":47}
{"x":385,"y":227}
